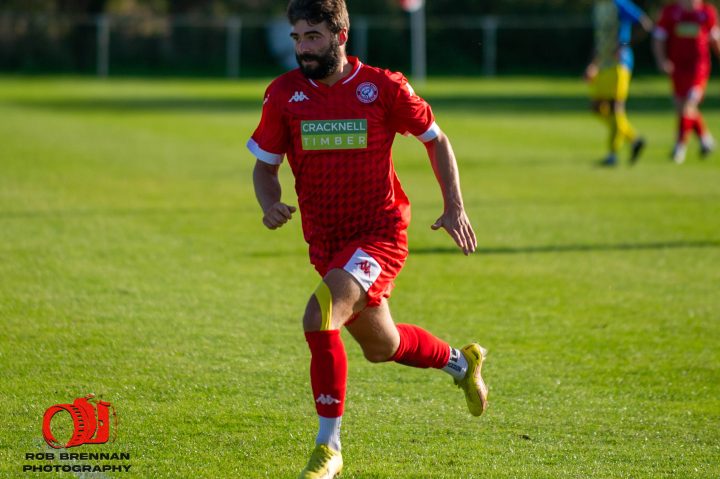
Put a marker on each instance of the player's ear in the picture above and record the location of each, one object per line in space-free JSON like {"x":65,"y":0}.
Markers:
{"x":342,"y":36}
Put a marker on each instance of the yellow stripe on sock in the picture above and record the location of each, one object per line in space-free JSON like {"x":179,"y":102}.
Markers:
{"x":324,"y":299}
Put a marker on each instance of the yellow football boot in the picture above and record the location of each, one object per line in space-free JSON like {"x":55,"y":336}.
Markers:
{"x":476,"y":391}
{"x":324,"y":463}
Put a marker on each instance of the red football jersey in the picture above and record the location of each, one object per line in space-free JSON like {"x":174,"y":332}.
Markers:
{"x":687,"y":33}
{"x":338,"y":140}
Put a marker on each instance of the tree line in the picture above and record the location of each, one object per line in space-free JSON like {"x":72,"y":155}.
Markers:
{"x":239,"y":7}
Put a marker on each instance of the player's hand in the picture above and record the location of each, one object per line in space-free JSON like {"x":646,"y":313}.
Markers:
{"x":458,"y":226}
{"x":277,"y":215}
{"x":590,"y":72}
{"x":647,"y":23}
{"x":667,"y":67}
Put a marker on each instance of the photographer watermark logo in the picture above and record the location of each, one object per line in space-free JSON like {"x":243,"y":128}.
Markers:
{"x":91,"y":422}
{"x":88,"y":420}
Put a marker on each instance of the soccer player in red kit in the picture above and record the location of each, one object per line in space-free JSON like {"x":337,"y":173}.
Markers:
{"x":681,"y":41}
{"x":335,"y":119}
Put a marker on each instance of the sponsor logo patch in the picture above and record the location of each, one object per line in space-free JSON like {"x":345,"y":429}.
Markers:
{"x":687,"y":30}
{"x":333,"y":134}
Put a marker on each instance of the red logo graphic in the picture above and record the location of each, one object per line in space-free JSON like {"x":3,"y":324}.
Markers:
{"x":364,"y":266}
{"x":89,"y":427}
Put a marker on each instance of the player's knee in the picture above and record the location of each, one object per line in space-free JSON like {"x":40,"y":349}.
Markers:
{"x":690,"y":110}
{"x":312,"y":319}
{"x":319,"y":312}
{"x":603,"y":107}
{"x":378,"y":355}
{"x":379,"y":351}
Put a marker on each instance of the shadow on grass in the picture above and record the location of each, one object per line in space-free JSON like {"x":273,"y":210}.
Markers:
{"x":575,"y":248}
{"x":472,"y":103}
{"x":79,"y":214}
{"x":551,"y":103}
{"x":526,"y":249}
{"x":143,"y":105}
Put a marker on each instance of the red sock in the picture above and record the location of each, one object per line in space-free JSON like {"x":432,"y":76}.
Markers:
{"x":420,"y":349}
{"x":686,"y":125}
{"x":328,"y":371}
{"x":699,"y":126}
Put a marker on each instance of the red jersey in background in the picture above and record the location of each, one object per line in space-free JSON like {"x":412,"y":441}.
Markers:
{"x":687,"y":33}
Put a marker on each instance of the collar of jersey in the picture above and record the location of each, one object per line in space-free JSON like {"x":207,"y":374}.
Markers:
{"x":357,"y":65}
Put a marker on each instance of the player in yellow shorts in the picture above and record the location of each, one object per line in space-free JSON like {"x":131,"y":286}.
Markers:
{"x":610,"y":71}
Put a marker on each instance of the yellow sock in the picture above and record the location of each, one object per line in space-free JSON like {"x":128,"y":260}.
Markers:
{"x":605,"y":114}
{"x":623,"y":131}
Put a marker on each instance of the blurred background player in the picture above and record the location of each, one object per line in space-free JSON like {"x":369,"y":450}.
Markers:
{"x":335,"y":119}
{"x":610,"y":71}
{"x":681,"y":41}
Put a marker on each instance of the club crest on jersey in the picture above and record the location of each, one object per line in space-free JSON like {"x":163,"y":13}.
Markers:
{"x":367,"y":92}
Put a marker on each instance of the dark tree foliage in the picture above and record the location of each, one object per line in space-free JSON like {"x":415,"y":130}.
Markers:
{"x":439,"y":7}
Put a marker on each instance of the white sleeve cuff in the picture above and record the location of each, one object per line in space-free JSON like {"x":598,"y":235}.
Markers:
{"x":432,"y":133}
{"x":660,"y":33}
{"x":262,"y":155}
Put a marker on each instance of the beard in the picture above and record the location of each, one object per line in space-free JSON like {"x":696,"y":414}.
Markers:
{"x":327,"y":63}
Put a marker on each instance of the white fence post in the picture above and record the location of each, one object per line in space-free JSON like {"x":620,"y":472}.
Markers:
{"x":103,"y":45}
{"x":490,"y":27}
{"x":234,"y":26}
{"x":419,"y":54}
{"x":359,"y":44}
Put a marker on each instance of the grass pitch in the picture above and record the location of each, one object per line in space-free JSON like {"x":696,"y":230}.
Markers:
{"x":134,"y":265}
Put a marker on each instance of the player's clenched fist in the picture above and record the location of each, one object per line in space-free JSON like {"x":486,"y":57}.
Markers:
{"x":666,"y":66}
{"x":277,"y":215}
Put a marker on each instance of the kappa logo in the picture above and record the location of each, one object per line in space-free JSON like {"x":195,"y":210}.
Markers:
{"x":326,"y":399}
{"x":298,"y":96}
{"x":365,"y":267}
{"x":454,"y":354}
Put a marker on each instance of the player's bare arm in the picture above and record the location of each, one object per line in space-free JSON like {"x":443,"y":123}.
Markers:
{"x":454,"y":219}
{"x":659,"y":51}
{"x":268,"y":193}
{"x":715,"y":41}
{"x":647,"y":23}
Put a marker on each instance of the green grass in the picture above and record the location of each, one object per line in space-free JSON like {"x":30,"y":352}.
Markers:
{"x":133,"y":264}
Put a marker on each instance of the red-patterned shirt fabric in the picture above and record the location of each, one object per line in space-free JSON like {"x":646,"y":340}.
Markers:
{"x":688,"y":33}
{"x":338,"y":143}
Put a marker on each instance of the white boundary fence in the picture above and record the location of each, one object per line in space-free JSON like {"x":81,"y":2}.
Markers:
{"x":415,"y":22}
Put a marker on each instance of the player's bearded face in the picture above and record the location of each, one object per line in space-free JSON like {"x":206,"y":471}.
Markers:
{"x":325,"y":63}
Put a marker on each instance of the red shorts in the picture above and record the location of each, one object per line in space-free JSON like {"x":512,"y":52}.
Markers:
{"x":373,"y":263}
{"x":689,"y":84}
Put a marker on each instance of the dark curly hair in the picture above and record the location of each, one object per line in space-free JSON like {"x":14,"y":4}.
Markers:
{"x":334,"y":12}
